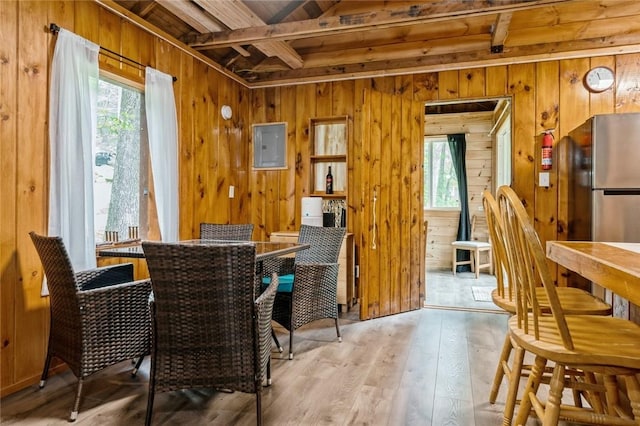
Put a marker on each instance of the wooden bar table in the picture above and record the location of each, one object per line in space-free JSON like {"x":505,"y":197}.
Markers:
{"x":615,"y":266}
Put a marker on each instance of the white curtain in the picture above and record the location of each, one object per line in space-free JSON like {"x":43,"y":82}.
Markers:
{"x":72,"y":128}
{"x":162,"y":125}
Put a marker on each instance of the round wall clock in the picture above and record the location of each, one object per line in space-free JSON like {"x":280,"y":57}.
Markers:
{"x":226,"y":112}
{"x":599,"y":79}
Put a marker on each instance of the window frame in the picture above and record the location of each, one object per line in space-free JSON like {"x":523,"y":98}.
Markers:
{"x":429,"y":141}
{"x":146,"y":205}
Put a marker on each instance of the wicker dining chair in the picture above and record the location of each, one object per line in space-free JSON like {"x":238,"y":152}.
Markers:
{"x":210,"y":328}
{"x":99,"y":317}
{"x":226,"y":231}
{"x":577,"y":348}
{"x":313,"y":277}
{"x":574,"y":301}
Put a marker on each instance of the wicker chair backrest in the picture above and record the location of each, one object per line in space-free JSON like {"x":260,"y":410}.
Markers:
{"x":230,"y":232}
{"x":203,"y":315}
{"x":325,"y":244}
{"x":61,"y":282}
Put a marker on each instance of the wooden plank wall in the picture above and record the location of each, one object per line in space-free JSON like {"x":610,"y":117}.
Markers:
{"x":215,"y":153}
{"x":544,"y":95}
{"x":443,"y":225}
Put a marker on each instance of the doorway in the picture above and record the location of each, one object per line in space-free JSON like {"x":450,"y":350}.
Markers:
{"x":486,"y":124}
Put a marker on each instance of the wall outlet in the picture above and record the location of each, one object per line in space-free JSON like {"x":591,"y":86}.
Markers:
{"x":543,"y":179}
{"x":232,"y":191}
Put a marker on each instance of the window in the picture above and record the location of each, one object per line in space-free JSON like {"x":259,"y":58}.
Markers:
{"x":440,"y":181}
{"x":120,"y":163}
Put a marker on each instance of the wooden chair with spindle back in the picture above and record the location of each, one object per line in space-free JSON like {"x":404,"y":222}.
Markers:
{"x":578,"y":347}
{"x":575,"y":301}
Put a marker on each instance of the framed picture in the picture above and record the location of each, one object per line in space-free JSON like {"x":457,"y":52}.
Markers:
{"x":270,"y":146}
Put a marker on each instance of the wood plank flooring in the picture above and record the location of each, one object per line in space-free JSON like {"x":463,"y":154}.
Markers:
{"x":426,"y":367}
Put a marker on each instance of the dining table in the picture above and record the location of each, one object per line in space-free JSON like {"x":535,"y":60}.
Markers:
{"x":264,"y":249}
{"x":612,"y":265}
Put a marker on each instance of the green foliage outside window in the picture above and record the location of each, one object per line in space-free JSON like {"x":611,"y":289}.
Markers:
{"x":440,"y":181}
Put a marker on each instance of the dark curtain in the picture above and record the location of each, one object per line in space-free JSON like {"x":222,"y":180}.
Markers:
{"x":458,"y":148}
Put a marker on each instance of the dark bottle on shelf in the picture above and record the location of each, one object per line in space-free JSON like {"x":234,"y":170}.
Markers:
{"x":329,"y":188}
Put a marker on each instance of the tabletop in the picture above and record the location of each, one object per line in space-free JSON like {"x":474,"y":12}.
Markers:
{"x":615,"y":266}
{"x":264,"y":249}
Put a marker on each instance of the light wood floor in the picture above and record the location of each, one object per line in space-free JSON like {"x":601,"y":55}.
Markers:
{"x":433,"y":366}
{"x":445,"y":290}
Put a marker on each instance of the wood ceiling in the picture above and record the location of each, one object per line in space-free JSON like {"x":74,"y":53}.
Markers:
{"x":279,"y":42}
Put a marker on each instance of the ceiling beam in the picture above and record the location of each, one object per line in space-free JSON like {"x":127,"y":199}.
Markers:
{"x":378,"y":19}
{"x":143,"y":9}
{"x":390,"y":53}
{"x":189,"y":13}
{"x":620,"y":44}
{"x":235,"y":14}
{"x":500,"y":31}
{"x":196,"y":18}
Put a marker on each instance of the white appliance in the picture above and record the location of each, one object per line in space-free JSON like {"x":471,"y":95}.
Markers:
{"x":311,"y":211}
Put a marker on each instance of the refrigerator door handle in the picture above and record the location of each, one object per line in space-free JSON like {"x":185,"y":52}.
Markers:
{"x":621,"y":192}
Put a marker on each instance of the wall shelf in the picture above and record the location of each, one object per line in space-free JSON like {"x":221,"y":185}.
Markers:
{"x":337,"y":195}
{"x":329,"y":140}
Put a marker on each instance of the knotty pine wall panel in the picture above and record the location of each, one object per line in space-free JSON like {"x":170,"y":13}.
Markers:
{"x":9,"y":262}
{"x":185,"y":97}
{"x":521,"y":86}
{"x":472,"y":83}
{"x":547,"y":111}
{"x":496,"y":81}
{"x":544,"y":94}
{"x":417,"y":277}
{"x":31,"y":319}
{"x":209,"y":159}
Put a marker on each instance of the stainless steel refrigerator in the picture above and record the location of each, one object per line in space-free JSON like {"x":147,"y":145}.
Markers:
{"x":604,"y":184}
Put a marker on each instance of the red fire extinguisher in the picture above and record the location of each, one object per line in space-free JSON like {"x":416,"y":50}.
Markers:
{"x":547,"y":149}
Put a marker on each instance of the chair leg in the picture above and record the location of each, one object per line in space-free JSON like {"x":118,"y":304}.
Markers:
{"x":497,"y":379}
{"x":76,"y":404}
{"x":537,"y":370}
{"x":137,"y":366}
{"x":552,"y":407}
{"x":338,"y":331}
{"x":611,"y":390}
{"x":595,"y":398}
{"x":269,"y":372}
{"x":291,"y":344}
{"x":476,"y":263}
{"x":633,"y":390}
{"x":147,"y":419}
{"x":276,"y":341}
{"x":258,"y":408}
{"x":514,"y":382}
{"x":45,"y":370}
{"x":454,"y":260}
